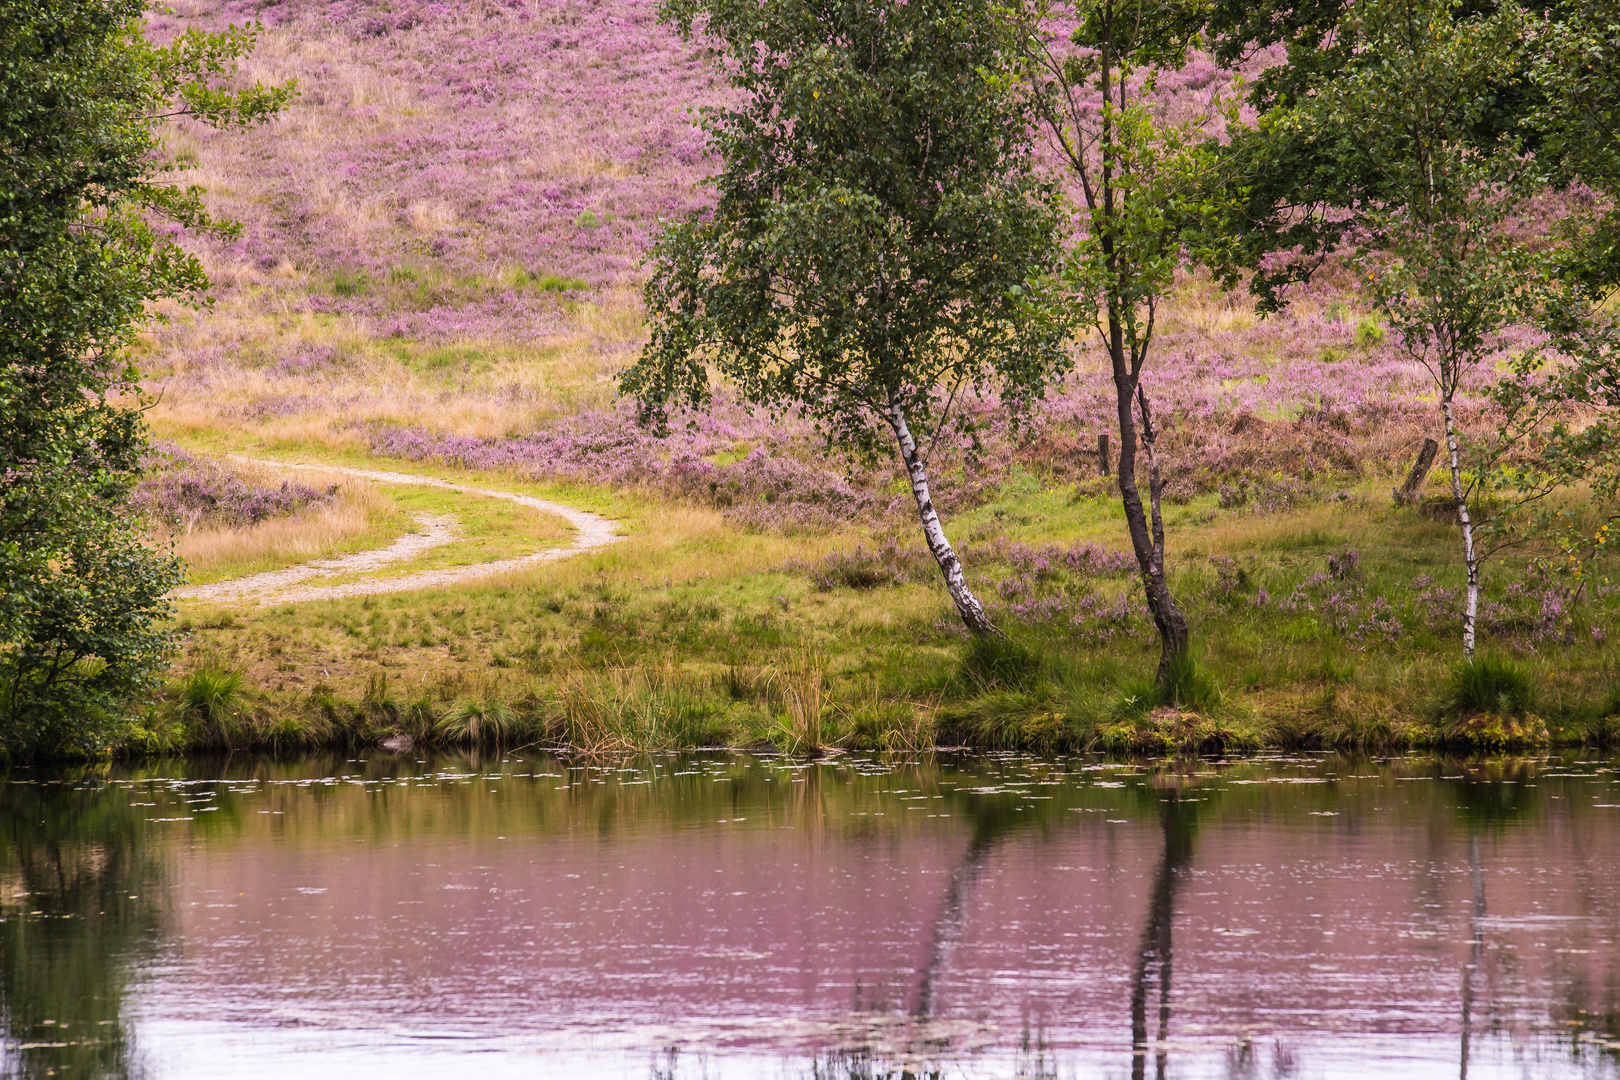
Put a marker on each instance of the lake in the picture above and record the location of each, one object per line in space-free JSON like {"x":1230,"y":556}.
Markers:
{"x":730,"y":915}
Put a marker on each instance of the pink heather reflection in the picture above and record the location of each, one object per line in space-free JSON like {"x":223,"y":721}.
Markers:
{"x":1175,"y":937}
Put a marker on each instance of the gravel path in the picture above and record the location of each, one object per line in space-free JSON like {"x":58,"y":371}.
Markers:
{"x":282,"y":586}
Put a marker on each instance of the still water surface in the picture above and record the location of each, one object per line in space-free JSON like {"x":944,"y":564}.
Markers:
{"x":742,"y":916}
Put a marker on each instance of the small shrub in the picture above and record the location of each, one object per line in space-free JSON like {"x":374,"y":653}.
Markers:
{"x":888,"y":564}
{"x":1232,"y":582}
{"x":1345,"y":566}
{"x":1369,"y":333}
{"x":1488,"y":684}
{"x":183,"y":491}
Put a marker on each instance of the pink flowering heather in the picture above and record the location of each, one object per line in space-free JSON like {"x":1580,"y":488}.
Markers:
{"x":487,"y":177}
{"x":182,"y":491}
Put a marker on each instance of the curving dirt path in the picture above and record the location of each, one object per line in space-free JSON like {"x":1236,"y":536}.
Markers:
{"x":281,"y":586}
{"x":436,"y":531}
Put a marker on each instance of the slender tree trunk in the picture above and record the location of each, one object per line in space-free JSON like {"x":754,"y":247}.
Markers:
{"x":1147,"y":541}
{"x":967,"y":605}
{"x":1453,"y":447}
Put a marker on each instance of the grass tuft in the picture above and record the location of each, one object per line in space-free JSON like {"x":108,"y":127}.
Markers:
{"x":1191,"y":686}
{"x":992,"y":662}
{"x":1489,"y":684}
{"x":211,"y":702}
{"x":803,"y":685}
{"x":476,"y":722}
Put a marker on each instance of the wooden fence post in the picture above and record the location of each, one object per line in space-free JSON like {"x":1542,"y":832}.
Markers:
{"x":1407,"y":493}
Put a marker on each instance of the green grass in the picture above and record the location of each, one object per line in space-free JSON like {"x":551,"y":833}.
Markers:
{"x":691,"y":632}
{"x":1489,"y":684}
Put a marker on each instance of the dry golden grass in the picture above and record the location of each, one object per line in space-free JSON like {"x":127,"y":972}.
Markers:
{"x":359,"y":517}
{"x":474,"y":387}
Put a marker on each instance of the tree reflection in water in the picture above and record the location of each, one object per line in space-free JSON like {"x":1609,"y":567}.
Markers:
{"x":1177,"y":822}
{"x":81,"y":899}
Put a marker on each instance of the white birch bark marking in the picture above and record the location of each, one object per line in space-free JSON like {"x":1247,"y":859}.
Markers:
{"x":1471,"y":614}
{"x":967,"y":605}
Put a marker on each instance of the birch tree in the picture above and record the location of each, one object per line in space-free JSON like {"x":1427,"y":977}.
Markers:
{"x":1432,"y":244}
{"x":879,"y":242}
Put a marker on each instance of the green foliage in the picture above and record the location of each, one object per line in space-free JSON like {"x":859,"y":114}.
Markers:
{"x":84,"y":198}
{"x":1153,"y":192}
{"x":879,"y":229}
{"x":992,"y":661}
{"x":1190,"y":686}
{"x":1416,"y":111}
{"x":1489,"y":684}
{"x":1299,"y":178}
{"x":1576,"y":67}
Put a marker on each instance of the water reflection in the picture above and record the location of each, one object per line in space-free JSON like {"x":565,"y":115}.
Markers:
{"x":81,"y":903}
{"x":992,"y":822}
{"x":1476,"y":949}
{"x":857,"y":917}
{"x":1178,"y":821}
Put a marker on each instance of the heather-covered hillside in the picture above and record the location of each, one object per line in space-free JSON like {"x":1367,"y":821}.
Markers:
{"x":442,"y":239}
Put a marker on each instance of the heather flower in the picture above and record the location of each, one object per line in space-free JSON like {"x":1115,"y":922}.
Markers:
{"x":183,"y":491}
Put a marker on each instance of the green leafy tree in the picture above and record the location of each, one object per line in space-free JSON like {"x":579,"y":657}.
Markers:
{"x":1149,"y":193}
{"x":1299,"y":179}
{"x":879,"y":234}
{"x":84,"y":196}
{"x":1433,"y":244}
{"x":1576,"y":69}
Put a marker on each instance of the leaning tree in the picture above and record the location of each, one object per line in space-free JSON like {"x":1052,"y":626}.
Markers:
{"x":879,"y":233}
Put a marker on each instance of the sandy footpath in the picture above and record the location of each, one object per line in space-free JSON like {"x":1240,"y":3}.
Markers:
{"x":286,"y":586}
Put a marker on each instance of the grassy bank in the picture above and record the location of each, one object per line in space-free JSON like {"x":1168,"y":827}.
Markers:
{"x":1327,"y":624}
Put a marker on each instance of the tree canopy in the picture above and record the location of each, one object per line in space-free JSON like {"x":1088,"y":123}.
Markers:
{"x":86,"y":201}
{"x":879,"y":237}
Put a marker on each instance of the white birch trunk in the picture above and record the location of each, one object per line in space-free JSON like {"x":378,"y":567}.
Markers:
{"x":967,"y":605}
{"x":1471,"y":613}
